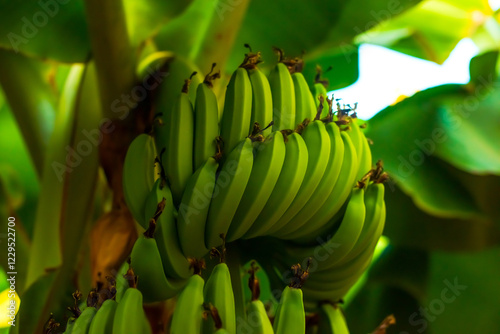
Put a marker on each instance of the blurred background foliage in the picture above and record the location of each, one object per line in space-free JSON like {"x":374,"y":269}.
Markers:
{"x":440,"y":146}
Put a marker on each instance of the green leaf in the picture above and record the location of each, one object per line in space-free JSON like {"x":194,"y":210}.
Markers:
{"x":326,"y":32}
{"x":463,"y":295}
{"x":40,"y":28}
{"x":72,"y":185}
{"x":424,"y":31}
{"x":184,"y":34}
{"x":472,"y":127}
{"x":25,"y":83}
{"x":48,"y":254}
{"x":483,"y":66}
{"x":483,"y":188}
{"x":377,"y":301}
{"x":144,"y":18}
{"x":32,"y":302}
{"x":404,"y":268}
{"x":344,"y":62}
{"x":409,"y":226}
{"x":408,"y":157}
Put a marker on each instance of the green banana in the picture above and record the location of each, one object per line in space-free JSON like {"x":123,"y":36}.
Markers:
{"x":206,"y":120}
{"x":69,"y":326}
{"x":228,"y":191}
{"x":344,"y":238}
{"x":375,"y":217}
{"x":218,"y":291}
{"x":332,"y":320}
{"x":267,"y":165}
{"x":318,"y":147}
{"x":283,"y":97}
{"x":138,"y":175}
{"x":167,"y":99}
{"x":103,"y":320}
{"x":257,"y":321}
{"x":325,"y":186}
{"x":262,"y":99}
{"x":320,"y":95}
{"x":290,"y":314}
{"x":320,"y":92}
{"x":318,"y":223}
{"x":187,"y":317}
{"x":193,"y":210}
{"x":129,"y":315}
{"x":147,"y":263}
{"x":288,"y":184}
{"x":82,"y":323}
{"x":177,"y":159}
{"x":365,"y":160}
{"x":333,"y":283}
{"x":175,"y":264}
{"x":235,"y":121}
{"x":305,"y":106}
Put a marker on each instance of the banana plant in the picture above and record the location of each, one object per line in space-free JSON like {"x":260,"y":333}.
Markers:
{"x":82,"y":80}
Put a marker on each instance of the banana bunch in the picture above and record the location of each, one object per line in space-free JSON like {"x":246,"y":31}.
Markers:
{"x":104,"y":315}
{"x":274,"y":160}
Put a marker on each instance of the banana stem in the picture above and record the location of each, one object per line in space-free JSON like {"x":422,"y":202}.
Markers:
{"x":233,"y":261}
{"x":111,"y":50}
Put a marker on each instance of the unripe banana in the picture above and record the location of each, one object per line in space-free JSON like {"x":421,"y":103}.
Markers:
{"x":82,"y":323}
{"x":262,"y":100}
{"x":320,"y":95}
{"x":193,"y":210}
{"x":365,"y":161}
{"x":305,"y":106}
{"x":129,"y":315}
{"x":325,"y":186}
{"x":138,"y":175}
{"x":229,"y":189}
{"x":286,"y":188}
{"x":322,"y":220}
{"x":147,"y":264}
{"x":344,"y":238}
{"x":206,"y":121}
{"x":235,"y":121}
{"x":187,"y":317}
{"x":318,"y":147}
{"x":320,"y":92}
{"x":103,"y":320}
{"x":283,"y":96}
{"x":69,"y":326}
{"x":257,"y":319}
{"x":174,"y":130}
{"x":218,"y":291}
{"x":375,"y":217}
{"x":175,"y":264}
{"x":290,"y":314}
{"x":268,"y":161}
{"x":332,"y":320}
{"x":177,"y":159}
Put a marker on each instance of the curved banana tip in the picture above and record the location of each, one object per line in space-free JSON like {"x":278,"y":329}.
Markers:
{"x":9,"y":306}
